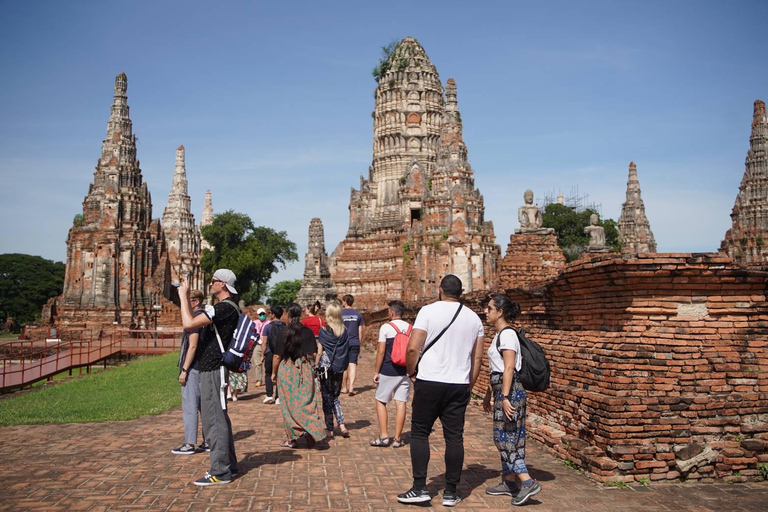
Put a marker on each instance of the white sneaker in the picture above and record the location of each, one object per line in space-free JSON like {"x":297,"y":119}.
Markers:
{"x":269,"y":400}
{"x":277,"y":402}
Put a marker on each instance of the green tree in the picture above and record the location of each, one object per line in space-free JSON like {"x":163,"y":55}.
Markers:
{"x":253,"y":253}
{"x":569,"y":227}
{"x":26,"y":284}
{"x":283,"y":292}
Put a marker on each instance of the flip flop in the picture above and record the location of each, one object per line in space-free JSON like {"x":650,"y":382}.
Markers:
{"x":345,"y":434}
{"x":352,"y":393}
{"x":397,"y":443}
{"x":381,"y":442}
{"x":291,"y":443}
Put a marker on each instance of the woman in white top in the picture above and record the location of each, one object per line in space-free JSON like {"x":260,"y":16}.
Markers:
{"x":509,"y":402}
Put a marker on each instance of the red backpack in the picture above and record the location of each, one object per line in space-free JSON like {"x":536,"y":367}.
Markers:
{"x":400,"y":344}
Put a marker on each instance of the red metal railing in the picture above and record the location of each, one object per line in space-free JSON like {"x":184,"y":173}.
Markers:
{"x":26,"y":362}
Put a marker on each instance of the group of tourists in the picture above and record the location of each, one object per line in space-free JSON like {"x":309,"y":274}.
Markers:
{"x":307,"y":362}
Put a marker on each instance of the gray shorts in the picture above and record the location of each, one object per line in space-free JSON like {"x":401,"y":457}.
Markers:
{"x":398,"y":385}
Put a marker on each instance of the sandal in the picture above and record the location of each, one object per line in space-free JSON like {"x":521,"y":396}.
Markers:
{"x":381,"y":442}
{"x":329,"y":434}
{"x":397,"y":443}
{"x":352,"y":393}
{"x":345,"y":434}
{"x":290,"y":443}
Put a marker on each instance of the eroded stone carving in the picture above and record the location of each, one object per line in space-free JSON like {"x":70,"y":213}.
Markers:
{"x":530,"y":217}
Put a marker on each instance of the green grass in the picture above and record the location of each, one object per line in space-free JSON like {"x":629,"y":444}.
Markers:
{"x":4,"y":335}
{"x":148,"y":385}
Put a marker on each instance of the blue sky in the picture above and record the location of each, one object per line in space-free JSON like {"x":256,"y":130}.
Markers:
{"x":273,"y":100}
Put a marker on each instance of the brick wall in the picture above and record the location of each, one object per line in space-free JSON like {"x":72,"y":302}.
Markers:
{"x":659,"y":366}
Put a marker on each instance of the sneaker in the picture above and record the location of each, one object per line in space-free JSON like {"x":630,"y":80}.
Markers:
{"x":277,"y":401}
{"x":269,"y":400}
{"x":185,"y":449}
{"x":205,"y":447}
{"x":503,"y":490}
{"x":210,"y":479}
{"x":450,"y":498}
{"x":414,"y":495}
{"x":526,"y":491}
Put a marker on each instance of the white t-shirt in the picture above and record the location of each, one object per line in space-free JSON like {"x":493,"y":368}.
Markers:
{"x":449,"y":360}
{"x":386,"y":330}
{"x":509,"y":341}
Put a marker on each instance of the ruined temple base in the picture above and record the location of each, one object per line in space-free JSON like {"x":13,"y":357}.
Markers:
{"x":530,"y":258}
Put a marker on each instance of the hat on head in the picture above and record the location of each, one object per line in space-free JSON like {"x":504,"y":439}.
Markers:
{"x":260,"y":311}
{"x":227,"y":277}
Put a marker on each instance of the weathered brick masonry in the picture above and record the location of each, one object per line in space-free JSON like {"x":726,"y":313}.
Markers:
{"x":659,"y":365}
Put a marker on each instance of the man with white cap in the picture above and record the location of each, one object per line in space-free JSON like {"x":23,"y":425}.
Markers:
{"x":258,"y":350}
{"x":219,"y":323}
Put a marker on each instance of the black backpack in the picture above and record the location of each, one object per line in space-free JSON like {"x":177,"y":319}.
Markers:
{"x":534,"y":374}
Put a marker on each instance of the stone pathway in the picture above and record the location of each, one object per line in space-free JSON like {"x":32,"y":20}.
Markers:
{"x":128,"y":466}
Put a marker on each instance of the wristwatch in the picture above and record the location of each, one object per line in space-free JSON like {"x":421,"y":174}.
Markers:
{"x":184,"y":370}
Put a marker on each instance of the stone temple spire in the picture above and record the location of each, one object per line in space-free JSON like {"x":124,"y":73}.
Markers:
{"x":634,"y":228}
{"x":207,"y":217}
{"x":418,"y":216}
{"x":317,"y":284}
{"x":116,"y":253}
{"x":746,"y":241}
{"x":181,"y":233}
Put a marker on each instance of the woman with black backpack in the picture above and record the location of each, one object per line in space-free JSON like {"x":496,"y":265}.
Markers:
{"x":509,"y":403}
{"x":333,"y":359}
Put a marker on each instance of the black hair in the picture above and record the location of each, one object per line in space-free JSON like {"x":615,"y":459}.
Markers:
{"x":277,"y":311}
{"x":293,"y":332}
{"x":509,"y":308}
{"x":397,"y":307}
{"x":348,"y":299}
{"x":315,"y":308}
{"x":451,"y":286}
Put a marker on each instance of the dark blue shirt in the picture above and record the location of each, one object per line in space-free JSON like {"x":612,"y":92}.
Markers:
{"x":352,"y":321}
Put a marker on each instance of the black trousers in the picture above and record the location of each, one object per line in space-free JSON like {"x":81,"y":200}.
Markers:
{"x":432,"y":400}
{"x":268,"y":376}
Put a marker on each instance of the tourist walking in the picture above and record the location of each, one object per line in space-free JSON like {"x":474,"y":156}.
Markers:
{"x":219,"y":323}
{"x":391,"y":379}
{"x":260,"y":324}
{"x":353,"y":321}
{"x":333,"y":359}
{"x":238,"y":383}
{"x":270,"y":360}
{"x":189,"y":378}
{"x":451,"y":337}
{"x":509,"y":403}
{"x":311,"y":320}
{"x":296,"y":381}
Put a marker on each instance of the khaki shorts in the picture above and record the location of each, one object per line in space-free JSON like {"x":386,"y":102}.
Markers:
{"x":399,"y":386}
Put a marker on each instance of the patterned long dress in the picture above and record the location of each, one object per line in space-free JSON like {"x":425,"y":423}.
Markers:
{"x":509,"y":436}
{"x":298,"y":399}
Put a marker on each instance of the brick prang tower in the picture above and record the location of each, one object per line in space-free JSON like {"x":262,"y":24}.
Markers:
{"x":746,"y":241}
{"x":207,"y":217}
{"x":182,"y":235}
{"x":634,"y":228}
{"x":116,"y":266}
{"x":418,"y":216}
{"x":317,"y":283}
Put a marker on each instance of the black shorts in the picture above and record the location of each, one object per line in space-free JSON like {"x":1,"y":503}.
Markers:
{"x":354,"y":353}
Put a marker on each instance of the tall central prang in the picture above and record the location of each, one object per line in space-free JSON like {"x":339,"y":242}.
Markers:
{"x":418,"y":216}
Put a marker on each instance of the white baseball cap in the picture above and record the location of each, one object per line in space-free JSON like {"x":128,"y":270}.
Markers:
{"x":227,"y":277}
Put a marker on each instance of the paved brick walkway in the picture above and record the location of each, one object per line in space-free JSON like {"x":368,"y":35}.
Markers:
{"x":128,"y":466}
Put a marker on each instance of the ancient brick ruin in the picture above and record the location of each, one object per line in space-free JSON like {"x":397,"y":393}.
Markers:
{"x":746,"y":241}
{"x":418,"y":216}
{"x":182,"y":235}
{"x":207,"y":217}
{"x":317,"y":284}
{"x":634,"y":228}
{"x":117,"y":261}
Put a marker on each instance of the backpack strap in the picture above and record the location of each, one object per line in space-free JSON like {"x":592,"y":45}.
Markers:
{"x":397,"y":329}
{"x":498,"y":339}
{"x":218,"y":338}
{"x":439,"y":335}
